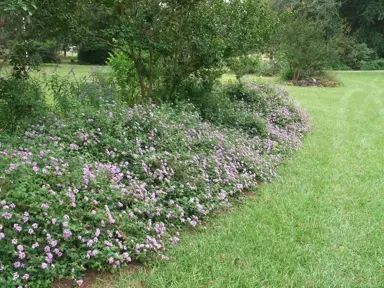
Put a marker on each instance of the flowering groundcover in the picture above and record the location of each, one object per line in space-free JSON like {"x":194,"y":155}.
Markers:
{"x":102,"y":187}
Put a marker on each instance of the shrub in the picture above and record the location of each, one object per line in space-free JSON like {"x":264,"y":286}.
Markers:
{"x":19,"y":99}
{"x":96,"y":55}
{"x":69,"y":92}
{"x":377,"y":64}
{"x":248,"y":64}
{"x":113,"y":184}
{"x":339,"y":66}
{"x":253,"y":64}
{"x":236,"y":106}
{"x":25,"y":57}
{"x":218,"y":108}
{"x":357,"y":54}
{"x":271,"y":67}
{"x":375,"y":40}
{"x":49,"y":55}
{"x":306,"y":46}
{"x":125,"y":76}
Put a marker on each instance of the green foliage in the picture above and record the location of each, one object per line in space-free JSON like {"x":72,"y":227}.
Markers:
{"x":24,"y":58}
{"x":248,"y":64}
{"x":235,"y":107}
{"x":253,"y":64}
{"x":49,"y":55}
{"x":377,"y":64}
{"x":108,"y":184}
{"x":20,"y":99}
{"x":366,"y":19}
{"x":13,"y":33}
{"x":48,"y":52}
{"x":376,"y":40}
{"x":307,"y":37}
{"x":305,"y":45}
{"x":357,"y":54}
{"x":25,"y":23}
{"x":125,"y":76}
{"x":168,"y":42}
{"x":240,"y":106}
{"x":69,"y":92}
{"x":282,"y":236}
{"x":337,"y":65}
{"x":271,"y":67}
{"x":96,"y":55}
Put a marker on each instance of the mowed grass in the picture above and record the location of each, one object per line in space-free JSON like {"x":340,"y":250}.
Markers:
{"x":320,"y":224}
{"x":70,"y":70}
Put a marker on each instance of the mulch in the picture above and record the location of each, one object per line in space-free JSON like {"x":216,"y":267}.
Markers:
{"x":313,"y":83}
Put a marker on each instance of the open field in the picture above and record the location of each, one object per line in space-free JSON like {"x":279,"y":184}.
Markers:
{"x":319,"y":225}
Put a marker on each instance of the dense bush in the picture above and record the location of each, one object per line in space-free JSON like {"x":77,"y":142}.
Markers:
{"x":366,"y":21}
{"x":272,"y":67}
{"x":48,"y":53}
{"x":96,"y":55}
{"x":248,"y":64}
{"x":351,"y":54}
{"x":373,"y":65}
{"x":219,"y":107}
{"x":338,"y":65}
{"x":19,"y":99}
{"x":124,"y":76}
{"x":356,"y":55}
{"x":245,"y":107}
{"x":306,"y":47}
{"x":253,"y":64}
{"x":103,"y":186}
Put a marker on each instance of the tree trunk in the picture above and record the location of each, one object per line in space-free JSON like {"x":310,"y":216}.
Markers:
{"x":139,"y":72}
{"x":150,"y":71}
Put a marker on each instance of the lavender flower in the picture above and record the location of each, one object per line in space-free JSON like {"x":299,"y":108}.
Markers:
{"x":15,"y":276}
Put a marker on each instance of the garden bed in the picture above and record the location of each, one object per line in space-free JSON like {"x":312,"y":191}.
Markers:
{"x":102,"y":187}
{"x":313,"y":83}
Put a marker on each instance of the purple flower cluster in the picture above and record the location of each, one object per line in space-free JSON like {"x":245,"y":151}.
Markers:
{"x":97,"y":194}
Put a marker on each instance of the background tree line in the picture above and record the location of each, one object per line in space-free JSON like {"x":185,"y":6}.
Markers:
{"x":162,"y":43}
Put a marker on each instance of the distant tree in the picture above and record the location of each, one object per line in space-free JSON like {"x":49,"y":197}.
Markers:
{"x":306,"y":35}
{"x":305,"y":46}
{"x":26,"y":22}
{"x":14,"y":41}
{"x":367,"y":21}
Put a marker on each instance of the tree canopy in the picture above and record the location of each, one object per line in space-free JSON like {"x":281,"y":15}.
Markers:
{"x":367,"y":21}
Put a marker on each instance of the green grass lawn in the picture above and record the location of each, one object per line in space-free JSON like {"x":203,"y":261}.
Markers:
{"x":71,"y":69}
{"x":320,"y":224}
{"x":64,"y":70}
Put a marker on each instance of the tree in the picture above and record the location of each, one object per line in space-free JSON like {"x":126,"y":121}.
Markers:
{"x":306,"y":48}
{"x":14,"y":41}
{"x":169,"y":40}
{"x":367,"y":21}
{"x":24,"y":22}
{"x":306,"y":35}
